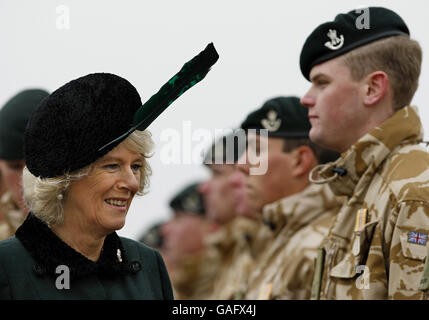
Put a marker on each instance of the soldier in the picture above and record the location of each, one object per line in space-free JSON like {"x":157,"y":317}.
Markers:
{"x":152,"y":236}
{"x":183,"y":243}
{"x":13,"y":120}
{"x":296,"y":214}
{"x":363,"y":80}
{"x":229,"y":248}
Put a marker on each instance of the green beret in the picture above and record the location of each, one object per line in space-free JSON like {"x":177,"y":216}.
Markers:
{"x":283,"y":117}
{"x":13,"y":120}
{"x":227,"y":149}
{"x":347,"y":32}
{"x":153,"y":237}
{"x":188,"y":200}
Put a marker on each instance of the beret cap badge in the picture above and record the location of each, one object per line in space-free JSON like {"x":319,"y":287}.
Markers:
{"x":347,"y":32}
{"x":335,"y":42}
{"x":271,"y":123}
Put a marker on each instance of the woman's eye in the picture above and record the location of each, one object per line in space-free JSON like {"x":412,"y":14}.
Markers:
{"x":111,"y":166}
{"x":136,"y":167}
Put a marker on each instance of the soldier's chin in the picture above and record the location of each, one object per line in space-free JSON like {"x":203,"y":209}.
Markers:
{"x":317,"y":138}
{"x":314,"y":136}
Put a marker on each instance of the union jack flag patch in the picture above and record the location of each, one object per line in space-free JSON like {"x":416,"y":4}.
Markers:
{"x":417,"y":238}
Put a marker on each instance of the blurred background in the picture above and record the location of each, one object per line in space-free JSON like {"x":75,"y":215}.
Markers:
{"x":48,"y":43}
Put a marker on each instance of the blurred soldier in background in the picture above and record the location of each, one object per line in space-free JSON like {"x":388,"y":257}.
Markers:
{"x":230,"y":248}
{"x":362,"y":82}
{"x":13,"y":120}
{"x":183,"y":243}
{"x":296,"y":214}
{"x":152,"y":237}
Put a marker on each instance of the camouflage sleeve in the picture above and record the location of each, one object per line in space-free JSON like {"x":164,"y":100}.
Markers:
{"x":408,"y":250}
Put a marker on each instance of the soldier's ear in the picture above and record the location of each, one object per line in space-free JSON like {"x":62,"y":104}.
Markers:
{"x":303,"y":161}
{"x":376,"y":86}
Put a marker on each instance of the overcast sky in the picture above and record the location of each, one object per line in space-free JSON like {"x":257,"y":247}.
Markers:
{"x":48,"y":43}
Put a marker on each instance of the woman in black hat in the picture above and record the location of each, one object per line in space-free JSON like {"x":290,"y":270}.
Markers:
{"x":79,"y":183}
{"x":85,"y":150}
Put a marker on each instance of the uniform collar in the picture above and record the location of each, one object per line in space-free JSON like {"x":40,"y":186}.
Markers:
{"x":299,"y":209}
{"x":50,"y":251}
{"x":352,"y":171}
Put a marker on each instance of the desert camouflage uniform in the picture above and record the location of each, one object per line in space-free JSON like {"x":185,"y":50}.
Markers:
{"x":214,"y":272}
{"x":193,"y":278}
{"x":234,"y":247}
{"x":377,"y":246}
{"x":299,"y":223}
{"x":13,"y":216}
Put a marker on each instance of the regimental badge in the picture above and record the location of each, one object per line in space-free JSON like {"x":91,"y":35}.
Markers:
{"x":191,"y":203}
{"x":417,"y":238}
{"x":271,"y":123}
{"x":335,"y":42}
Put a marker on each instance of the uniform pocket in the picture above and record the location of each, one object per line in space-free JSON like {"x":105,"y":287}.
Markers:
{"x":356,"y":254}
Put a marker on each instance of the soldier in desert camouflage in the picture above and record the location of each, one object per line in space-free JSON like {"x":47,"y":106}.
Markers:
{"x":363,"y":82}
{"x":183,"y":243}
{"x":296,"y":214}
{"x":230,"y":247}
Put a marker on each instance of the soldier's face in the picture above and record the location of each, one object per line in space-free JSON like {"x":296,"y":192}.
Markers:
{"x":218,"y":193}
{"x":11,"y":172}
{"x":334,"y":103}
{"x":244,"y":206}
{"x":276,"y":182}
{"x":183,"y":235}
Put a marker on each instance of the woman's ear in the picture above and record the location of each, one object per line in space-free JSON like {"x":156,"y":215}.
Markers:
{"x":376,"y":86}
{"x":303,"y":160}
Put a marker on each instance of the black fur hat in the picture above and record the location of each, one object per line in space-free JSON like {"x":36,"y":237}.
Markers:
{"x":87,"y":117}
{"x":68,"y":128}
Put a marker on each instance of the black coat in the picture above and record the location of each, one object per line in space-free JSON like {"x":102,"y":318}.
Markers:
{"x":36,"y":264}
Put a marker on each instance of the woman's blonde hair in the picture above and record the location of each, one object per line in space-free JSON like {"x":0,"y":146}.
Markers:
{"x":45,"y":196}
{"x":399,"y":56}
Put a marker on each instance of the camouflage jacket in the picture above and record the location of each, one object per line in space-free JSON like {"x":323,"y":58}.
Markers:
{"x":232,"y":248}
{"x":215,"y":272}
{"x":377,"y":245}
{"x":298,"y":224}
{"x":13,"y":216}
{"x":193,"y":278}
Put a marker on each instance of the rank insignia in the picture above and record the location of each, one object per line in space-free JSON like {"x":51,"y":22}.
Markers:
{"x":417,"y":238}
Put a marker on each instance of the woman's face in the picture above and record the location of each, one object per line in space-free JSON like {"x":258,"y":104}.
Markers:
{"x":100,"y":201}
